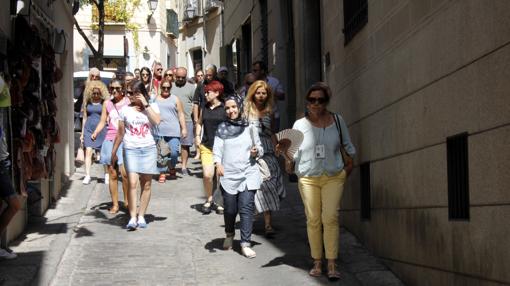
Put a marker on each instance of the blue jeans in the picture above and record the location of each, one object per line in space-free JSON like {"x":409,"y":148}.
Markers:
{"x":174,"y":143}
{"x":243,"y":203}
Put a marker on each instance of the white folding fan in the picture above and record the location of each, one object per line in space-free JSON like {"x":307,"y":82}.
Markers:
{"x":295,"y":138}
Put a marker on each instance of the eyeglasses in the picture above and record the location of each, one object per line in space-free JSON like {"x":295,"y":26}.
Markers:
{"x":116,"y":88}
{"x":180,"y":77}
{"x":319,"y":100}
{"x":169,"y":74}
{"x":165,"y":88}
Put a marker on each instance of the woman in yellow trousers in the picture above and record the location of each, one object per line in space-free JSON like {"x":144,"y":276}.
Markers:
{"x":321,"y":170}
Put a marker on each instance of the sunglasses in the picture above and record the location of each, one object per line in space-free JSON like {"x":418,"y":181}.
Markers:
{"x":165,"y":88}
{"x":319,"y":100}
{"x":180,"y":77}
{"x":116,"y":88}
{"x":130,"y":92}
{"x":169,"y":74}
{"x":145,"y":74}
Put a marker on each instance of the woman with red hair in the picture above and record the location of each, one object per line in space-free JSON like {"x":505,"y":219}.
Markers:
{"x":213,"y":113}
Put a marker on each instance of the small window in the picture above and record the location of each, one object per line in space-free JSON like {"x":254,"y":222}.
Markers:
{"x":458,"y":179}
{"x":355,"y":18}
{"x":172,"y":23}
{"x":365,"y":191}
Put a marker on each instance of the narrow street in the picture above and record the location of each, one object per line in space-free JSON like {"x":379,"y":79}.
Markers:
{"x":80,"y":243}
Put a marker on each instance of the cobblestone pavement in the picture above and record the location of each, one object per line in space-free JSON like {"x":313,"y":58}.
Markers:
{"x":79,"y":243}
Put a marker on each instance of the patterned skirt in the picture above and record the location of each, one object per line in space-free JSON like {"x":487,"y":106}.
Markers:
{"x":268,"y":197}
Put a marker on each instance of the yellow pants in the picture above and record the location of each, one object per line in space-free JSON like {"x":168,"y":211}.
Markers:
{"x":321,"y":198}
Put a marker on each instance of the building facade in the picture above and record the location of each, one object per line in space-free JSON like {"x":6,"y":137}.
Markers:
{"x":140,"y":39}
{"x":36,"y":56}
{"x":423,"y":87}
{"x":200,"y":41}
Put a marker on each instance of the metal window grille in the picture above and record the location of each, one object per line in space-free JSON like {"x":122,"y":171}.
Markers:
{"x":355,"y":18}
{"x":458,"y":177}
{"x":365,"y":191}
{"x":172,"y":23}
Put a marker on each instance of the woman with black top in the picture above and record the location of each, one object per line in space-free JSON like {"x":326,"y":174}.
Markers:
{"x":211,"y":116}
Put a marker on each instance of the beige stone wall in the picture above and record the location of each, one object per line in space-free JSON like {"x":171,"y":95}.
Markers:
{"x":418,"y":72}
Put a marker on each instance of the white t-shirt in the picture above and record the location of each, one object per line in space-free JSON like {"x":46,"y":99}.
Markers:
{"x":137,"y":126}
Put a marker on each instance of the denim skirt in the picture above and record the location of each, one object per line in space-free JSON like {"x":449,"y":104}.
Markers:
{"x":141,"y":160}
{"x":106,"y":153}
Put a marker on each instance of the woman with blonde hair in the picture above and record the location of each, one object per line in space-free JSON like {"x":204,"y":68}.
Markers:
{"x":259,"y":112}
{"x":93,"y":96}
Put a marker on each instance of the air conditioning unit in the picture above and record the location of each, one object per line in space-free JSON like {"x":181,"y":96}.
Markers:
{"x":211,"y":5}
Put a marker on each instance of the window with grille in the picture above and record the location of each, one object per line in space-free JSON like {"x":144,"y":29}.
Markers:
{"x":458,"y":177}
{"x":172,"y":23}
{"x":355,"y":18}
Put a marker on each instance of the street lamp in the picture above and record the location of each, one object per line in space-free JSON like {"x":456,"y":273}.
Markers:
{"x":189,"y":12}
{"x":153,"y":4}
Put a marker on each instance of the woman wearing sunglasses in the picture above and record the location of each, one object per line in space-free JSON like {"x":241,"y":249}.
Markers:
{"x":110,"y":115}
{"x":146,"y":78}
{"x":321,"y":171}
{"x":172,"y":126}
{"x":94,"y":95}
{"x":140,"y":154}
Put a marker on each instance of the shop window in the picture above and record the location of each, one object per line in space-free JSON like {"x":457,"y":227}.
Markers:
{"x":355,"y":18}
{"x":458,"y":176}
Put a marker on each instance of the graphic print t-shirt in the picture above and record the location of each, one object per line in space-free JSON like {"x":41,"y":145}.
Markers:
{"x":138,"y":127}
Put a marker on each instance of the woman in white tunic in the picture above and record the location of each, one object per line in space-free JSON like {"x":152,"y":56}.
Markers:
{"x":236,"y":147}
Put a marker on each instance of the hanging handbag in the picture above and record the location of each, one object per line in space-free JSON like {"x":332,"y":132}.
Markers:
{"x":80,"y":155}
{"x":346,"y":158}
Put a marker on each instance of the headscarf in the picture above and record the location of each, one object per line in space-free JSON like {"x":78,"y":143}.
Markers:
{"x":232,"y":128}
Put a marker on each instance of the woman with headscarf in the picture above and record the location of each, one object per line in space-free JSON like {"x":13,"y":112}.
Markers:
{"x":236,"y":147}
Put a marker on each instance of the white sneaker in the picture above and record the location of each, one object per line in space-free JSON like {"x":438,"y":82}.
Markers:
{"x":4,"y":254}
{"x":248,"y":252}
{"x":86,"y":180}
{"x":107,"y":179}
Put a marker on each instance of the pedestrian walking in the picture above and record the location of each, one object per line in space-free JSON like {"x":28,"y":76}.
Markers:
{"x":94,"y":95}
{"x":110,"y":119}
{"x":259,"y":111}
{"x":322,"y":173}
{"x":211,"y":116}
{"x":185,"y":91}
{"x":140,"y":154}
{"x":171,"y":128}
{"x":259,"y":69}
{"x":236,"y":148}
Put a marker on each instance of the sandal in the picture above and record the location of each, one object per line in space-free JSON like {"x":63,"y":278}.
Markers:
{"x":114,"y":210}
{"x":268,"y":231}
{"x":333,"y":273}
{"x":316,"y":270}
{"x":162,"y":178}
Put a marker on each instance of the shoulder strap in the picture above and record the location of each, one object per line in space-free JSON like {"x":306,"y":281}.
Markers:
{"x":339,"y":128}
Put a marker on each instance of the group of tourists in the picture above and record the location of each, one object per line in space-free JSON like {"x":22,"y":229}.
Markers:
{"x":142,"y":125}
